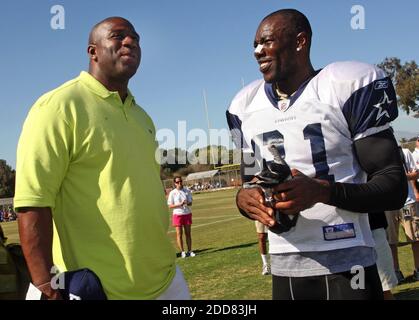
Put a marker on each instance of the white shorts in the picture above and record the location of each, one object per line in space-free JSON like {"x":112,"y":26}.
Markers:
{"x":408,"y":216}
{"x":384,"y":261}
{"x":178,"y":289}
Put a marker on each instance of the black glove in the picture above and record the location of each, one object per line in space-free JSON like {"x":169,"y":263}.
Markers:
{"x":273,"y":173}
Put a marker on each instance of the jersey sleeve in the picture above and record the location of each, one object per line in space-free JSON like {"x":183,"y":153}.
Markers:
{"x":366,"y":96}
{"x":236,"y":111}
{"x":234,"y":124}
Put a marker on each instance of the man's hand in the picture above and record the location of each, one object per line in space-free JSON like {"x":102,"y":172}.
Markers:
{"x":252,"y":202}
{"x":300,"y":193}
{"x":48,"y":293}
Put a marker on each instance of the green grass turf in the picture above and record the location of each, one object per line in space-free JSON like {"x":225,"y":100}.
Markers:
{"x":228,"y":264}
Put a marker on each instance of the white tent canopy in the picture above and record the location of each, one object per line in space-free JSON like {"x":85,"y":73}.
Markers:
{"x":201,"y":175}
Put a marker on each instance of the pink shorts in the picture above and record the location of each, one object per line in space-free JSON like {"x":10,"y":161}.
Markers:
{"x":179,"y":220}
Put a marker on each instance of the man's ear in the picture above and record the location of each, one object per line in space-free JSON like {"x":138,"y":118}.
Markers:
{"x":301,"y":40}
{"x":91,"y":51}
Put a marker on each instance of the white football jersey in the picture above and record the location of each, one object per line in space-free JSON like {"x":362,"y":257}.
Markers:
{"x":415,"y":154}
{"x":410,"y":166}
{"x":315,"y":129}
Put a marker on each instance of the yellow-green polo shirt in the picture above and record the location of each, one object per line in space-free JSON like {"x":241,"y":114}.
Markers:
{"x":91,"y":158}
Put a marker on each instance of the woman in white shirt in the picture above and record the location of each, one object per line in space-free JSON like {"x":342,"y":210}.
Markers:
{"x":179,"y":200}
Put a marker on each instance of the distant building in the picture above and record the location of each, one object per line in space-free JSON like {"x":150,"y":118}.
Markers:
{"x":6,"y":202}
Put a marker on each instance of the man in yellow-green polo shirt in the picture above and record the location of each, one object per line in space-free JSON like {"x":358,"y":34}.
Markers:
{"x":88,"y":189}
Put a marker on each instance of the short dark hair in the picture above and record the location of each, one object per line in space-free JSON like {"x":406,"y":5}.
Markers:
{"x":97,"y":25}
{"x":177,"y":177}
{"x":298,"y":19}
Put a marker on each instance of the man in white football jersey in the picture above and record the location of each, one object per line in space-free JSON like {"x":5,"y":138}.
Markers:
{"x":332,"y":127}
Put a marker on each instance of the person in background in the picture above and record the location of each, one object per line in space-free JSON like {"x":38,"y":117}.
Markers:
{"x":408,"y":215}
{"x":378,"y":224}
{"x":415,"y":155}
{"x":262,"y":232}
{"x":88,"y":188}
{"x":180,"y":200}
{"x":330,"y":128}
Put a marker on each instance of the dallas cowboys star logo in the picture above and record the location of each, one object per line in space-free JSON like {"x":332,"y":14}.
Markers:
{"x":381,"y":111}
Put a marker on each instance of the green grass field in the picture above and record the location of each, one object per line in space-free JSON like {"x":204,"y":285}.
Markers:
{"x":228,"y":264}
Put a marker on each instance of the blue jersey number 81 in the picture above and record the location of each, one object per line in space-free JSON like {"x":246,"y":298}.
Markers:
{"x":312,"y":132}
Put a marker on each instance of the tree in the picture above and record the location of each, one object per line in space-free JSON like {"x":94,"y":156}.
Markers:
{"x":212,"y":155}
{"x":406,"y":80}
{"x":7,"y":180}
{"x":171,"y":161}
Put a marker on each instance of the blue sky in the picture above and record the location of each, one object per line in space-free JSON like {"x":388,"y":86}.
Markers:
{"x":188,"y":46}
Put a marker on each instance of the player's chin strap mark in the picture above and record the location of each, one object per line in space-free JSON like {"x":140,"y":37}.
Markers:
{"x":272,"y":174}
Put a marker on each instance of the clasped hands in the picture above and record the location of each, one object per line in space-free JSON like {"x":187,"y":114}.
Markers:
{"x":291,"y":197}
